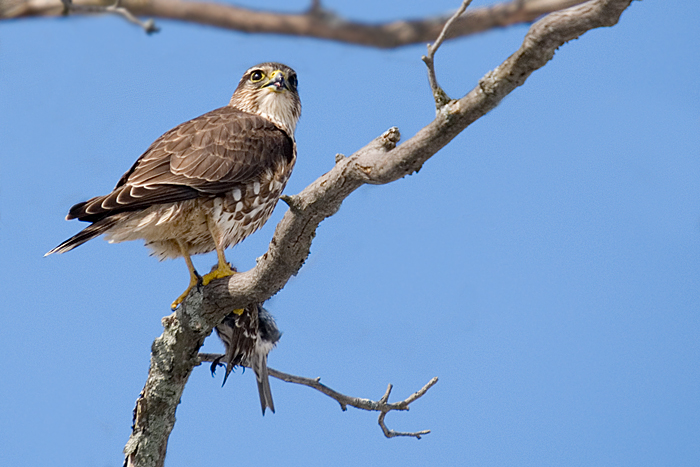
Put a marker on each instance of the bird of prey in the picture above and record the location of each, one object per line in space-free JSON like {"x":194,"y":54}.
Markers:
{"x":208,"y":183}
{"x":248,"y":337}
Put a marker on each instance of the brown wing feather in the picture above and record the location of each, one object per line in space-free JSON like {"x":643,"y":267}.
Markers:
{"x":208,"y":155}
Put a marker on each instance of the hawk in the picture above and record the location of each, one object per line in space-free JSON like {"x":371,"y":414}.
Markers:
{"x":208,"y":183}
{"x":248,"y":337}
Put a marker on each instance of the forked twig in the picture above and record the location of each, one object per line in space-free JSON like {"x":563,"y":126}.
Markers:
{"x":440,"y":96}
{"x":382,"y":405}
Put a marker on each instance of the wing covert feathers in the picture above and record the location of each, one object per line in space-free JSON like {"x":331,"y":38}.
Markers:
{"x":206,"y":156}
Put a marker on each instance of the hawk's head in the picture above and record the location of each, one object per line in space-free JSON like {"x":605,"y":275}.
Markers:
{"x":270,"y":90}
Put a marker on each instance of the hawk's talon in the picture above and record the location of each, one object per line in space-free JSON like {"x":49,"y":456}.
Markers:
{"x":195,"y":280}
{"x":180,"y":299}
{"x":223,"y":270}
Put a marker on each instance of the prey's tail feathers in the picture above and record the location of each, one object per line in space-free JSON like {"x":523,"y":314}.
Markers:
{"x":258,"y":363}
{"x":88,"y":233}
{"x":248,"y":338}
{"x":261,"y":376}
{"x":263,"y":380}
{"x":231,"y":334}
{"x":229,"y":368}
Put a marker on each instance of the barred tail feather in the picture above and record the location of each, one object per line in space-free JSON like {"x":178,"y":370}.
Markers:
{"x":88,"y":233}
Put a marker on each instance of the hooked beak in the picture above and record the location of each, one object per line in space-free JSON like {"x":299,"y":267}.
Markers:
{"x":277,"y":82}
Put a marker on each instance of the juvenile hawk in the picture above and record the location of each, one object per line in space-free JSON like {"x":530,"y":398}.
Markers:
{"x":208,"y":183}
{"x":248,"y":338}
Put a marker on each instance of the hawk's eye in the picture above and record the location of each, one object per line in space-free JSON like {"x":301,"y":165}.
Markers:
{"x":293,"y":80}
{"x":256,"y":76}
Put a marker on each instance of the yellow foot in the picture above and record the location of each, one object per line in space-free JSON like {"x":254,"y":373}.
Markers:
{"x":238,"y":311}
{"x":193,"y":282}
{"x":223,"y":270}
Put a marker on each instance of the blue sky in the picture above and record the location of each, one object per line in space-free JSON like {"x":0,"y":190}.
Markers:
{"x":545,"y":265}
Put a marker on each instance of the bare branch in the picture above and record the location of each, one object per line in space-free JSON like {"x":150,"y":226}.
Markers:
{"x":440,"y":96}
{"x":149,"y":26}
{"x":381,"y":161}
{"x":382,"y":405}
{"x":316,"y":22}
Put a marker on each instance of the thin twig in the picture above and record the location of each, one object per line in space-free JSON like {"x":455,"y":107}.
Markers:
{"x":440,"y":96}
{"x":382,"y":405}
{"x":149,"y":26}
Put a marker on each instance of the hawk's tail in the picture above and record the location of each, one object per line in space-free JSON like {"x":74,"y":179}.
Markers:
{"x":88,"y":233}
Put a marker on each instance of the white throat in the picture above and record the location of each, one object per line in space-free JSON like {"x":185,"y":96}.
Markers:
{"x":278,"y":107}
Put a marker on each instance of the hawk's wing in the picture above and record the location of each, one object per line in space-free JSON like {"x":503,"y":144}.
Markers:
{"x":207,"y":155}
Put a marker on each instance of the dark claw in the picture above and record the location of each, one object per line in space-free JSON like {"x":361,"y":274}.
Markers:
{"x":199,"y":286}
{"x":214,"y":364}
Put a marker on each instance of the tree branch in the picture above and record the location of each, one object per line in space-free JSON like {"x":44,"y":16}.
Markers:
{"x":381,"y":161}
{"x":316,"y":22}
{"x":149,"y":26}
{"x":440,"y":96}
{"x":382,"y":405}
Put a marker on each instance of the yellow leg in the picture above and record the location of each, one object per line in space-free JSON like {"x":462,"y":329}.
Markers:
{"x":194,"y":277}
{"x":223,"y":269}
